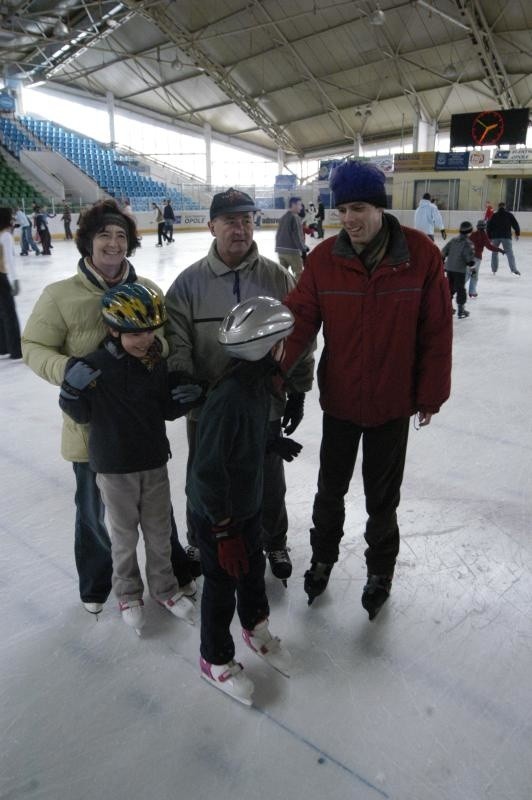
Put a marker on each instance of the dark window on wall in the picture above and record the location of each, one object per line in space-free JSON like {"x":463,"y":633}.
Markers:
{"x":518,"y":194}
{"x":444,"y":193}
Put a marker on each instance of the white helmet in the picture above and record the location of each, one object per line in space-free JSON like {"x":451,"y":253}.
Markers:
{"x":251,"y":328}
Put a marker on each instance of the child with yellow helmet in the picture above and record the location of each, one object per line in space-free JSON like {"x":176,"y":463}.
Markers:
{"x":123,"y":391}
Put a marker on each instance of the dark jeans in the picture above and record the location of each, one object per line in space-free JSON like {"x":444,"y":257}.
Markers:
{"x":46,"y":241}
{"x":92,"y":545}
{"x":383,"y":460}
{"x":68,"y":230}
{"x":168,"y":230}
{"x":222,"y":593}
{"x":274,"y":516}
{"x":457,"y":285}
{"x":160,"y":232}
{"x":9,"y":326}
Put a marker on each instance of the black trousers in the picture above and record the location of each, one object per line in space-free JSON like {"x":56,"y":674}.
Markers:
{"x":457,"y":285}
{"x":222,"y":593}
{"x":9,"y":325}
{"x":274,"y":516}
{"x":383,"y":460}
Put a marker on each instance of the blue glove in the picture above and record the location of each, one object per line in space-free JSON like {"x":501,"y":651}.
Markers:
{"x":188,"y":393}
{"x":77,"y":378}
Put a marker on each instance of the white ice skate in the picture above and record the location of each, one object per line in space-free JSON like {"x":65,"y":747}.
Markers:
{"x":181,"y":607}
{"x":93,"y":608}
{"x":189,"y":589}
{"x":229,"y":678}
{"x":268,"y":647}
{"x":133,"y":613}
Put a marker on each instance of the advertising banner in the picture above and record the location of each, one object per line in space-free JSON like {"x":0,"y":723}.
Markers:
{"x":414,"y":162}
{"x":451,"y":161}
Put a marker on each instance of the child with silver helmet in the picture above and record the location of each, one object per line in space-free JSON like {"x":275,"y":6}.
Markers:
{"x":224,"y":489}
{"x":122,"y":391}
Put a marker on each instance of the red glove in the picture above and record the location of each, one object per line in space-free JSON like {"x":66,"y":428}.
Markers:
{"x":232,"y":555}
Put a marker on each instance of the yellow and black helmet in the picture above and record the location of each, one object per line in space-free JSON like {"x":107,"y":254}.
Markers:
{"x":132,"y":307}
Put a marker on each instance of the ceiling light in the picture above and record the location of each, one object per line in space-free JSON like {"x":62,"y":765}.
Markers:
{"x":378,"y":17}
{"x":177,"y":64}
{"x":450,"y":72}
{"x":60,"y":29}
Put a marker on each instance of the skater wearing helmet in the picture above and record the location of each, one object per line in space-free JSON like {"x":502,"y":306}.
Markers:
{"x":123,"y":391}
{"x":224,"y":489}
{"x":379,"y":291}
{"x":198,"y":300}
{"x":67,"y":321}
{"x":480,"y":241}
{"x":459,"y":255}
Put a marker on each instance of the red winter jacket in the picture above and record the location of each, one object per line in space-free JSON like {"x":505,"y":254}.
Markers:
{"x":388,"y":335}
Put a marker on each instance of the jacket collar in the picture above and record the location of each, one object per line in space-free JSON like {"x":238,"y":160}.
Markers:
{"x":130,"y":276}
{"x":218,"y":266}
{"x":397,"y":252}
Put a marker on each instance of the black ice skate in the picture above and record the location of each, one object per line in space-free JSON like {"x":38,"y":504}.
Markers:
{"x":376,"y":592}
{"x":462,"y":313}
{"x":280,"y":564}
{"x":194,"y":562}
{"x":316,"y":579}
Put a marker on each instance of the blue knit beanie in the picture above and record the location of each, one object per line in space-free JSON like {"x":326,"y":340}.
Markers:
{"x":358,"y":181}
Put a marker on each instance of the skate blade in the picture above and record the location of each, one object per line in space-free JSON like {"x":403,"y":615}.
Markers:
{"x":246,"y":701}
{"x":280,"y":667}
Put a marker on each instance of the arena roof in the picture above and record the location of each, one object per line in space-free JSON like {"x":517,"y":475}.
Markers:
{"x":306,"y":76}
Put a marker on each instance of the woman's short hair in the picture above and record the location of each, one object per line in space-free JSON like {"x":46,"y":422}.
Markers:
{"x":95,"y":219}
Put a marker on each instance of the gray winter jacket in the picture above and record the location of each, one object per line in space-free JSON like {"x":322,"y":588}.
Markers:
{"x":458,"y":253}
{"x":199,"y":299}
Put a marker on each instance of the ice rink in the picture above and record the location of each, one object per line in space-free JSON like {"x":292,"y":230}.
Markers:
{"x":431,"y":701}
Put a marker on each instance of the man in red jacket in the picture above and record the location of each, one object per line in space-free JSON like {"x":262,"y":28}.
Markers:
{"x":381,"y":294}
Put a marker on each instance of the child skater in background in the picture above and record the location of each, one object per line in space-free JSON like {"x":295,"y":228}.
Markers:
{"x":123,"y":391}
{"x":224,"y":489}
{"x":459,"y":254}
{"x":480,"y":240}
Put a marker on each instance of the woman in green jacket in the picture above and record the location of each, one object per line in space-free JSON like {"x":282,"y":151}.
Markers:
{"x":66,"y":321}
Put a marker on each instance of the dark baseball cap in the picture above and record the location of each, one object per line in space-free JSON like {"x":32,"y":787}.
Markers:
{"x":231,"y":202}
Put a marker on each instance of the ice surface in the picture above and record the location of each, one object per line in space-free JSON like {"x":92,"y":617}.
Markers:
{"x":432,"y":701}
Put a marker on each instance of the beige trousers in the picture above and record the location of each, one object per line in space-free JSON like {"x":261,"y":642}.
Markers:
{"x":139,"y":499}
{"x":293,"y":262}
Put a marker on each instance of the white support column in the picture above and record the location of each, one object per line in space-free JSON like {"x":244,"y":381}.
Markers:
{"x":280,"y":161}
{"x":357,"y":145}
{"x":207,"y":134}
{"x":109,"y":96}
{"x":424,"y":135}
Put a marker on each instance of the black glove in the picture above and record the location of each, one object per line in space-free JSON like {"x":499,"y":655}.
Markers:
{"x":15,"y":288}
{"x":470,"y":263}
{"x":287,"y":448}
{"x":293,"y":412}
{"x":443,"y":234}
{"x":77,"y":378}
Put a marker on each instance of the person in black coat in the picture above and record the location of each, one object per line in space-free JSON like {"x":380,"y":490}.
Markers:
{"x":500,"y":227}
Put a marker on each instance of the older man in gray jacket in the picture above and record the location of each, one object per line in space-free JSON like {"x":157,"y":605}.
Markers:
{"x":197,"y":302}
